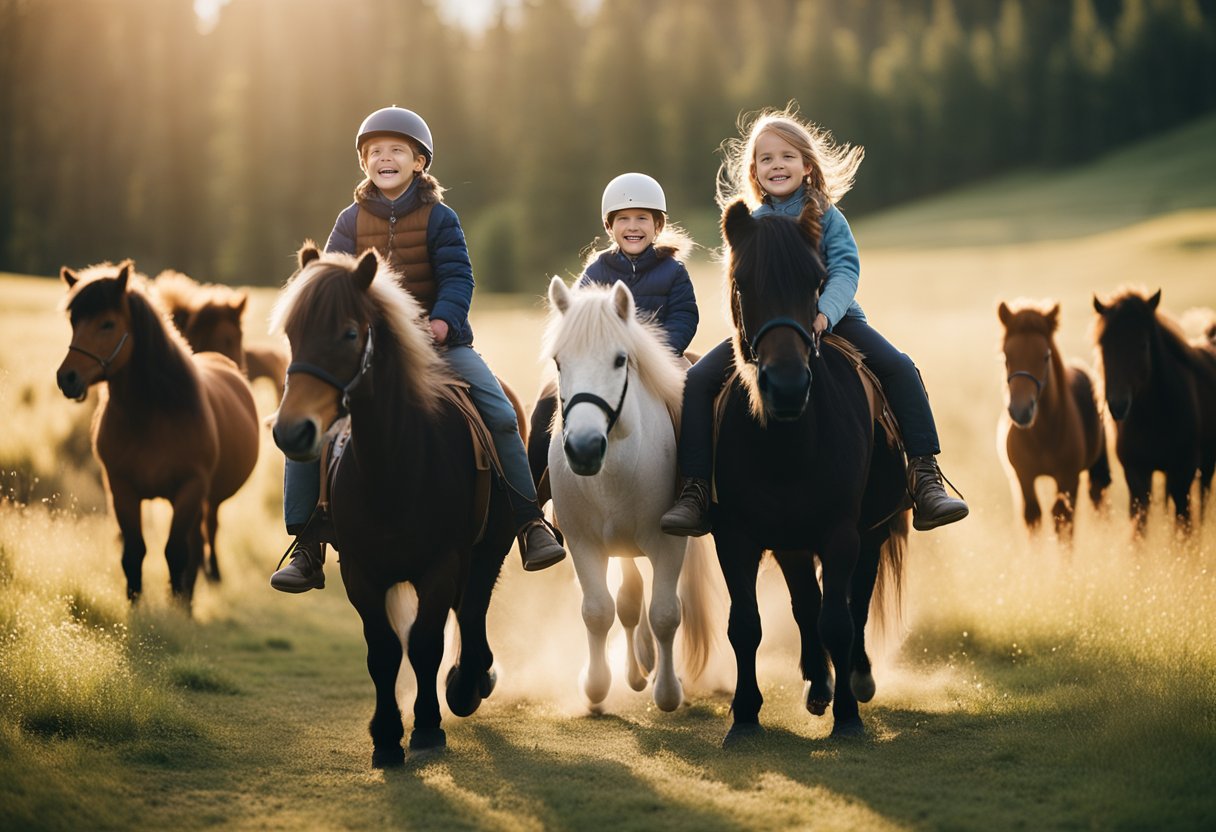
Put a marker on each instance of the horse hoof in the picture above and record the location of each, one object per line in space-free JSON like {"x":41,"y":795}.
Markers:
{"x":848,"y":728}
{"x":428,"y":740}
{"x":817,"y":697}
{"x":390,"y":757}
{"x":742,"y":733}
{"x":863,"y":685}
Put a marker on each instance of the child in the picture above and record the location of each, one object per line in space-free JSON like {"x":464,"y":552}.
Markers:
{"x":783,"y":164}
{"x":399,"y":210}
{"x":646,"y":254}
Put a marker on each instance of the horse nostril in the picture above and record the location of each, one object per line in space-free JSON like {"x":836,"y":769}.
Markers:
{"x":603,"y":446}
{"x":762,"y":379}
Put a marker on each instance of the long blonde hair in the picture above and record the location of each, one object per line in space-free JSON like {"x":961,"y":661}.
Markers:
{"x":832,"y":165}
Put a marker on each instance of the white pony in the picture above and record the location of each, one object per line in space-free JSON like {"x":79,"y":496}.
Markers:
{"x":612,"y":474}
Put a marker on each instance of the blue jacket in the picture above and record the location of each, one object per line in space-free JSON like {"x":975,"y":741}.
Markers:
{"x":660,"y":285}
{"x":839,"y":252}
{"x":446,"y":246}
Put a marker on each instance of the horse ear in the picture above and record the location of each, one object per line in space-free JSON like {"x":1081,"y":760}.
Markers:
{"x":69,"y":277}
{"x":622,"y":300}
{"x":559,"y":295}
{"x":123,"y":273}
{"x":1004,"y":313}
{"x":307,"y":253}
{"x":242,"y":300}
{"x":1053,"y":317}
{"x":1098,"y":307}
{"x":369,"y":263}
{"x":1154,"y":300}
{"x":736,"y":222}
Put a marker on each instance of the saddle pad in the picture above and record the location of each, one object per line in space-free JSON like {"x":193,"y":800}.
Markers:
{"x":880,"y":410}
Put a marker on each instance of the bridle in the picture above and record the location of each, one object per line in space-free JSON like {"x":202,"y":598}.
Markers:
{"x":104,"y":362}
{"x":1039,"y":383}
{"x":365,"y":364}
{"x":613,"y":413}
{"x":750,"y":346}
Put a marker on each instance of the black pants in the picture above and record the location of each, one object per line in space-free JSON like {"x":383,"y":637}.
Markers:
{"x":538,"y":430}
{"x":899,"y":376}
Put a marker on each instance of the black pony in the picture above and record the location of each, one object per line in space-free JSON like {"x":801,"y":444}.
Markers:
{"x":1161,"y":392}
{"x":799,"y":471}
{"x":403,"y":494}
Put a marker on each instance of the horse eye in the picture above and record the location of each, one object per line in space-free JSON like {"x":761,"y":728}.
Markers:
{"x":351,"y":334}
{"x":620,"y":360}
{"x":107,"y":325}
{"x":557,"y":364}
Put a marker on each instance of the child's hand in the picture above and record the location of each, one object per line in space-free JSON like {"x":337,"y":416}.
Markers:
{"x":439,"y":330}
{"x":821,"y":324}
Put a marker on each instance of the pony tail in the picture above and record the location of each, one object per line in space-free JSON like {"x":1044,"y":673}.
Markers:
{"x":811,"y":218}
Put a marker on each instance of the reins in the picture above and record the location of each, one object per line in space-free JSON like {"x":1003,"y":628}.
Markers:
{"x":329,"y":378}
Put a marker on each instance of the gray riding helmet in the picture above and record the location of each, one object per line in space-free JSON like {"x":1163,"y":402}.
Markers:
{"x":402,"y":122}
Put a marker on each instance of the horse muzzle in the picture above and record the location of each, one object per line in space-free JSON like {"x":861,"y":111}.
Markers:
{"x":785,"y":390}
{"x":585,"y":452}
{"x":299,"y":440}
{"x":1023,"y":414}
{"x":1119,"y":407}
{"x":72,"y":384}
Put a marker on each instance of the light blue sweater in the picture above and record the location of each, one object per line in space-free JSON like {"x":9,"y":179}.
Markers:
{"x":839,"y":252}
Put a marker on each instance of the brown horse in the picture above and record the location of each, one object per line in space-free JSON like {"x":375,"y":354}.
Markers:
{"x":1054,"y":428}
{"x":210,"y":318}
{"x":1161,"y":391}
{"x":173,"y":425}
{"x":402,"y":496}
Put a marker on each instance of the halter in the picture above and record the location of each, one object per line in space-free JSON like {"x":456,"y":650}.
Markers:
{"x":613,"y":413}
{"x":104,"y":362}
{"x":1039,"y":383}
{"x":365,"y":364}
{"x":752,"y":344}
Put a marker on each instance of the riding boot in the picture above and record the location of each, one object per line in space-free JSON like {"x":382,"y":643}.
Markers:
{"x":305,"y":571}
{"x":689,"y":517}
{"x":933,"y":506}
{"x":538,"y":547}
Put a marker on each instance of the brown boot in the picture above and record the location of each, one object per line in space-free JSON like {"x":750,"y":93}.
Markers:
{"x":933,"y":506}
{"x":689,"y":517}
{"x":305,"y":571}
{"x":538,"y":548}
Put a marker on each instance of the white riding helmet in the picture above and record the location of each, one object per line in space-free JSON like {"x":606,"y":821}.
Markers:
{"x":632,"y":190}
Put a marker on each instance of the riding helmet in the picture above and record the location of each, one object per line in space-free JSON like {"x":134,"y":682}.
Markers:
{"x":402,"y":122}
{"x":632,"y":190}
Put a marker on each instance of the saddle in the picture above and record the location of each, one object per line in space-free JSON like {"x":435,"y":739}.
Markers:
{"x":876,"y":397}
{"x":485,"y":457}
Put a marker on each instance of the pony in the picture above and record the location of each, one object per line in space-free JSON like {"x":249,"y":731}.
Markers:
{"x":1051,"y":426}
{"x":401,"y":498}
{"x":1161,"y":392}
{"x":173,"y":424}
{"x":210,"y":317}
{"x":799,"y":471}
{"x":611,"y":476}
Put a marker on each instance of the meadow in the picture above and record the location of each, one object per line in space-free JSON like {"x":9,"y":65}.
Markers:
{"x":1033,"y":685}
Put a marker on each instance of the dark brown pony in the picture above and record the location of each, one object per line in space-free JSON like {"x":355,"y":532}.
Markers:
{"x":800,"y":471}
{"x":1054,"y":427}
{"x":1161,"y":391}
{"x":210,"y":317}
{"x":402,"y":496}
{"x":173,"y":425}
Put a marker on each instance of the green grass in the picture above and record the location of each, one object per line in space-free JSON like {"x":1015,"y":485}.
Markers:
{"x":1038,"y":687}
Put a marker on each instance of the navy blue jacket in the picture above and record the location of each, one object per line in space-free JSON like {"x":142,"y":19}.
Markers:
{"x":448,"y":251}
{"x":661,"y":287}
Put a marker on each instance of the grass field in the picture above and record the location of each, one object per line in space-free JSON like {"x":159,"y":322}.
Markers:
{"x":1036,"y":686}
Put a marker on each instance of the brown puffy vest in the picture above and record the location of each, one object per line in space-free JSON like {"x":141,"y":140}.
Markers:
{"x":402,"y":242}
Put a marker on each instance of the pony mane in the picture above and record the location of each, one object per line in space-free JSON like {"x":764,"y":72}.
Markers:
{"x":163,"y":371}
{"x":323,"y":290}
{"x":1131,"y":305}
{"x":591,"y":319}
{"x":783,"y":262}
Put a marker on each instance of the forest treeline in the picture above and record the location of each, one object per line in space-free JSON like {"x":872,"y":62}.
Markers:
{"x":126,"y":130}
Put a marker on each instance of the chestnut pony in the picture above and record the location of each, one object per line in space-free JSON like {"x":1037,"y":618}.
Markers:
{"x":800,"y":471}
{"x":175,"y":425}
{"x":402,"y":496}
{"x":1052,"y":426}
{"x":210,"y":317}
{"x":1161,"y":392}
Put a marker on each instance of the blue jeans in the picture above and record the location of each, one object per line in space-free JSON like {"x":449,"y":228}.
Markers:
{"x":302,"y":480}
{"x":899,"y":376}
